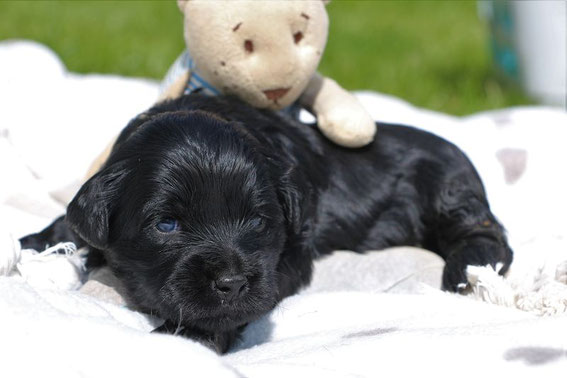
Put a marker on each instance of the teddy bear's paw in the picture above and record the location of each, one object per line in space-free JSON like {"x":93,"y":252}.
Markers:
{"x":347,"y":127}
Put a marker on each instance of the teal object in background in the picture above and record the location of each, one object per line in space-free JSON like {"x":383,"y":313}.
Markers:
{"x":529,"y":45}
{"x":502,"y":39}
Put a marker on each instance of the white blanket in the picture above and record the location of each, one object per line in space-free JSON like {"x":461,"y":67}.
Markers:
{"x":53,"y":122}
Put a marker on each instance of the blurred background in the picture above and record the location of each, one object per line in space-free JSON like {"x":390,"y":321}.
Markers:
{"x":458,"y":57}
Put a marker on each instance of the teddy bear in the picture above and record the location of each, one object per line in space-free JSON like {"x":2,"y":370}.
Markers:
{"x":266,"y":53}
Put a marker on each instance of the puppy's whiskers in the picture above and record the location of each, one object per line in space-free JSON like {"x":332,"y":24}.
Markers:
{"x":179,"y":326}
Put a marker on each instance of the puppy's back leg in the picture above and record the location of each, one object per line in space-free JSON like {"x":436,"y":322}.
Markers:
{"x":59,"y":232}
{"x":56,"y":232}
{"x":467,"y":233}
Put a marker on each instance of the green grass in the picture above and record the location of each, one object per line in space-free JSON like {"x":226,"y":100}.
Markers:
{"x":431,"y":53}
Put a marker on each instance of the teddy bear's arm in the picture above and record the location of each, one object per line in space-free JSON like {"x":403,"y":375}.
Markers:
{"x":100,"y":160}
{"x":340,"y":116}
{"x":174,"y":90}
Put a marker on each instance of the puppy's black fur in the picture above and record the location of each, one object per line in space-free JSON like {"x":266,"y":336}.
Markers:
{"x":210,"y":212}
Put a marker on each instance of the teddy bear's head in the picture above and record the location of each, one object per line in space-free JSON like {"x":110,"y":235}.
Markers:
{"x":264,"y":52}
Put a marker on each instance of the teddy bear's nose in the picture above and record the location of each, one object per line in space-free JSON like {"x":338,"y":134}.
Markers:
{"x":275,"y":94}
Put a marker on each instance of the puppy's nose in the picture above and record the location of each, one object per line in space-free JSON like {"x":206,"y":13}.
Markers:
{"x":275,"y":94}
{"x":230,"y":286}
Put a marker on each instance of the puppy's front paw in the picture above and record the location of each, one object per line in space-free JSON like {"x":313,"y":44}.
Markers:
{"x":479,"y":251}
{"x":455,"y":278}
{"x":347,"y":126}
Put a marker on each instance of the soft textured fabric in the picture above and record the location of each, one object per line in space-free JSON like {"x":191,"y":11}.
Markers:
{"x":363,"y":316}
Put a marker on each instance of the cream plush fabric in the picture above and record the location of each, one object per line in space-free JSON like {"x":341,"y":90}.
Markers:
{"x":378,"y":314}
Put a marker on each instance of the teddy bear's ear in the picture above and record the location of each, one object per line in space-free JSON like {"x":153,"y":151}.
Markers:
{"x":181,"y":4}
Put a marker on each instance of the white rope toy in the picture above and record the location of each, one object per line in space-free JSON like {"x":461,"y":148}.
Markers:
{"x":540,"y":294}
{"x":47,"y":269}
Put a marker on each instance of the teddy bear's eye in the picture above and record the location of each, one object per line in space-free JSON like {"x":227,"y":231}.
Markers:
{"x":297,"y":37}
{"x":248,"y":46}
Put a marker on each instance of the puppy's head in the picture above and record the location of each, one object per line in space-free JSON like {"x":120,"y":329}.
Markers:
{"x":190,"y":218}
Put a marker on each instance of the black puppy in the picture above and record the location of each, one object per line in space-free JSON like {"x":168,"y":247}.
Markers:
{"x":210,"y":212}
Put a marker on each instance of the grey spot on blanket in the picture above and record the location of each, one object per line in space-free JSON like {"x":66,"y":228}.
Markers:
{"x":535,"y":355}
{"x":514,"y":162}
{"x":371,"y":332}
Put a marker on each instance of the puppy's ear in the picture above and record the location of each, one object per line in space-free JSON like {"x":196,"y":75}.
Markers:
{"x":291,"y":199}
{"x":89,"y":212}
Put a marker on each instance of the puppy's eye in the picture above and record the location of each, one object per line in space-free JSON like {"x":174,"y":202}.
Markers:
{"x":168,"y":225}
{"x":297,"y":37}
{"x":258,"y":224}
